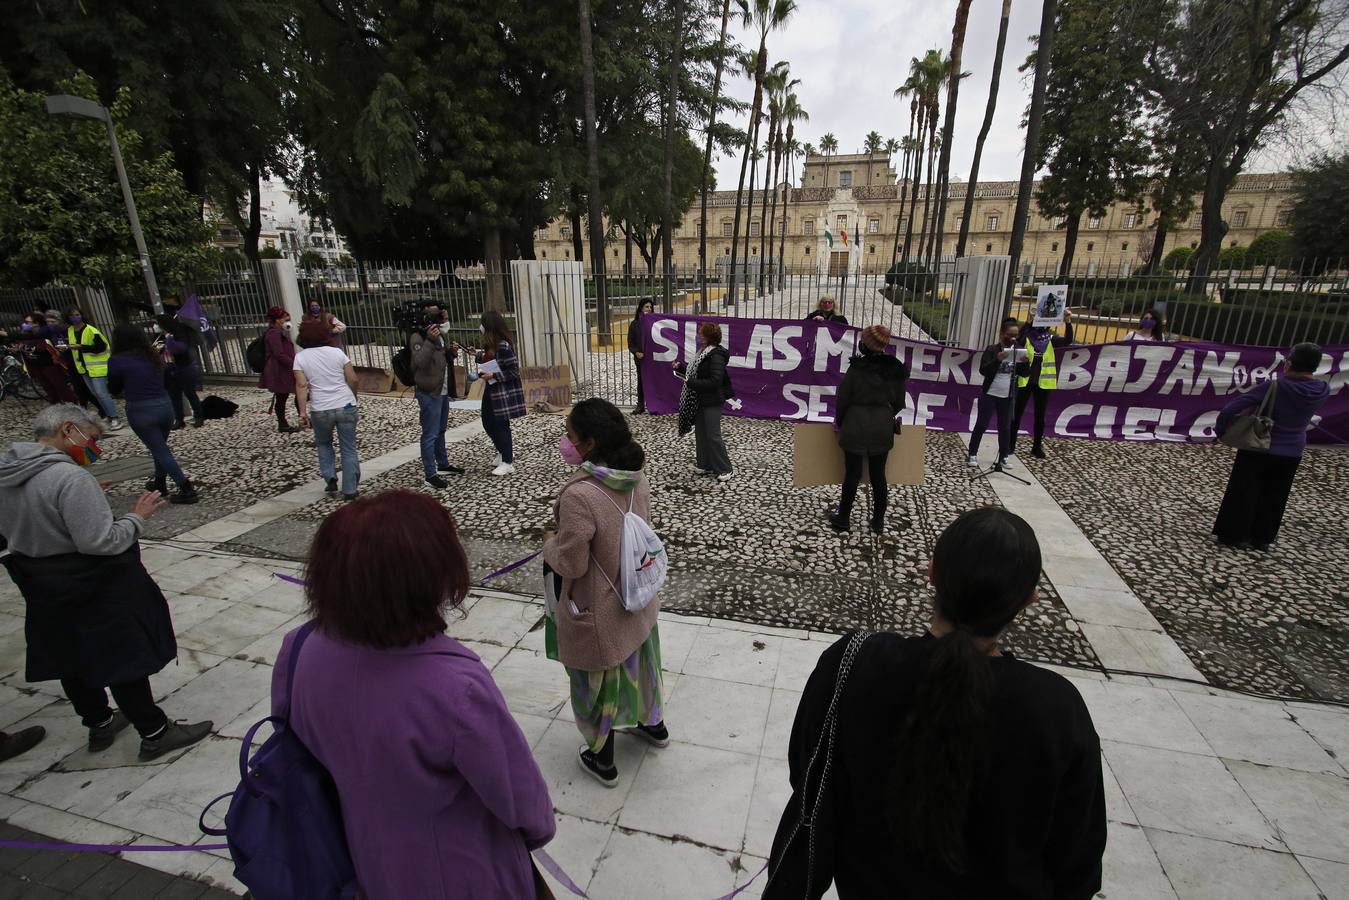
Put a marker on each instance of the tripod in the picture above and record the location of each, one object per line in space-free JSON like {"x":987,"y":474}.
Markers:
{"x":1010,"y":424}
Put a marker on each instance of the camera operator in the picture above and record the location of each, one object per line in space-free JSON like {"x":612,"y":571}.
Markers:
{"x":432,"y":375}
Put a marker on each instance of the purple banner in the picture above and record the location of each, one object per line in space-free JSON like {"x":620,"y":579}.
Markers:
{"x":788,"y":369}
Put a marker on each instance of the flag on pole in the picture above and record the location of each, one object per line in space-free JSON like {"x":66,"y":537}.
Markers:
{"x":193,"y":316}
{"x":829,"y":236}
{"x":844,"y":231}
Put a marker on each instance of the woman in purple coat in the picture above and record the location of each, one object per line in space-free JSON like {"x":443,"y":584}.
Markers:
{"x":441,"y":797}
{"x":278,"y":375}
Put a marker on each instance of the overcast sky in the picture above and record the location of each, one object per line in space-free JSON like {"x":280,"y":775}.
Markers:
{"x":851,"y":55}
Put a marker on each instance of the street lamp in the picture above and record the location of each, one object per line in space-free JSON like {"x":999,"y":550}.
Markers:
{"x":65,"y":105}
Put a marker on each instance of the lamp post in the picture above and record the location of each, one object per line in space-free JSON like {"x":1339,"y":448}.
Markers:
{"x":65,"y":105}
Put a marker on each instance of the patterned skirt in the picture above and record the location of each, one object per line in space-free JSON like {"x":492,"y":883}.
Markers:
{"x":628,"y":694}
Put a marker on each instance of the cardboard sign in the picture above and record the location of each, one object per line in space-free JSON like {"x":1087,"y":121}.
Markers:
{"x":818,"y":459}
{"x":548,"y":383}
{"x":1051,"y":300}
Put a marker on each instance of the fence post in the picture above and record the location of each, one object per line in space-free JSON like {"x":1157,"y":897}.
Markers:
{"x":976,"y":305}
{"x":279,"y":277}
{"x":550,"y":314}
{"x":1268,"y":283}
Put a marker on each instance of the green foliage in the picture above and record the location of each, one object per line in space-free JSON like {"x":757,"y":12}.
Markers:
{"x":1232,"y":257}
{"x":1133,"y":303}
{"x":346,"y":262}
{"x":1320,"y":214}
{"x":1270,"y":248}
{"x":934,"y":318}
{"x":911,"y":277}
{"x":311,"y":259}
{"x":1178,"y":259}
{"x":62,"y":216}
{"x":1303,"y":317}
{"x":270,"y":253}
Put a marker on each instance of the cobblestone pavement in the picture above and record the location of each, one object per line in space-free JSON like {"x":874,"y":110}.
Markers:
{"x":1274,"y":622}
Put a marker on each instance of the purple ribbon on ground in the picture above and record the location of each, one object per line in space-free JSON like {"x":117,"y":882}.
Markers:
{"x":513,"y":566}
{"x":291,"y":578}
{"x":109,"y":848}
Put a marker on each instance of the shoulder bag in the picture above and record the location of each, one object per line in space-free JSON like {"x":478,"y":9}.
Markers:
{"x":1252,"y":430}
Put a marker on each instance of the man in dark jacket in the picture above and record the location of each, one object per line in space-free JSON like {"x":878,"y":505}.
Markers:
{"x":825,"y":312}
{"x":871,"y":396}
{"x":93,"y":616}
{"x":432,"y":374}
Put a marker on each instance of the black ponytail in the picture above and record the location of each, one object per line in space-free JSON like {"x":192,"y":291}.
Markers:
{"x":600,"y":421}
{"x":986,"y":564}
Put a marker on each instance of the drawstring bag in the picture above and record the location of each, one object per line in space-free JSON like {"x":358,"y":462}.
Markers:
{"x":642,"y":559}
{"x":1252,"y":431}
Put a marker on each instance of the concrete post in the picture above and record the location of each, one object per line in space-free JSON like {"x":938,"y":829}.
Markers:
{"x":976,"y":302}
{"x":278,"y":276}
{"x":550,"y":314}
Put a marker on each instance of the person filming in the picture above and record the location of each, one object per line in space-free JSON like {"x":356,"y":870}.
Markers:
{"x":431,"y":372}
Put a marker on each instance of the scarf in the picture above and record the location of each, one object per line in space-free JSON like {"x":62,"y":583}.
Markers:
{"x":688,"y":397}
{"x":617,"y":479}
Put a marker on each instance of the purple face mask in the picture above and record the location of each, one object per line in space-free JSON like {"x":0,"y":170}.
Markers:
{"x":1148,"y":323}
{"x":77,"y":320}
{"x":570,"y":455}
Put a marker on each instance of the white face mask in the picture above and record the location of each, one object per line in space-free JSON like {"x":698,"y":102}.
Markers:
{"x":482,"y":329}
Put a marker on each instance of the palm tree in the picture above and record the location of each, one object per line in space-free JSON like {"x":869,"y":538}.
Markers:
{"x":671,"y":123}
{"x":790,"y":114}
{"x":707,"y":153}
{"x":891,"y":148}
{"x":936,"y":68}
{"x":595,"y":200}
{"x":772,"y":83}
{"x":925,"y":77}
{"x":766,"y":16}
{"x":778,"y":83}
{"x":908,"y":89}
{"x":872,"y":145}
{"x":948,"y":127}
{"x":792,"y":149}
{"x":828,"y":146}
{"x":1034,"y":119}
{"x":983,"y":129}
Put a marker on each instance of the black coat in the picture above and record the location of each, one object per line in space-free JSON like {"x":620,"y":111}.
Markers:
{"x":710,"y":382}
{"x":1036,"y":821}
{"x":635,"y":334}
{"x":836,"y":318}
{"x":101,"y":619}
{"x":871,"y":395}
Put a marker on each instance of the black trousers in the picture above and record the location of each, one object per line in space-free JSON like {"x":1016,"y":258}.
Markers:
{"x":852,"y":477}
{"x":988,"y":406}
{"x":641,"y":395}
{"x":1256,"y":496}
{"x":135,"y":699}
{"x":1023,"y":397}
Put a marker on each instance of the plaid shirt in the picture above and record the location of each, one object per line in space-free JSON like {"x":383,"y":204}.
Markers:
{"x":506,"y":392}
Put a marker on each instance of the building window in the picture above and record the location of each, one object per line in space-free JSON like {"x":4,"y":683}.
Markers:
{"x":1091,"y":246}
{"x":1284,"y":218}
{"x":615,"y":254}
{"x":698,"y":228}
{"x":960,"y":222}
{"x":988,"y":248}
{"x":873,"y":226}
{"x":1124,"y":246}
{"x":725,"y":227}
{"x":1130,"y":220}
{"x":873,"y":248}
{"x":754,"y":229}
{"x":808,"y":226}
{"x":1094,"y":222}
{"x":1060,"y":221}
{"x":899,"y":224}
{"x":807,"y":251}
{"x":566,"y":232}
{"x":840,"y":223}
{"x":568,"y":254}
{"x":992,"y":224}
{"x":845,"y":178}
{"x":782,"y":226}
{"x":545,"y":254}
{"x":1194,"y":245}
{"x":1054,"y":247}
{"x":1198,"y":221}
{"x":1239,"y":219}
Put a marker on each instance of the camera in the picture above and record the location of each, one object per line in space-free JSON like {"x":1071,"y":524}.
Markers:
{"x":414,"y":316}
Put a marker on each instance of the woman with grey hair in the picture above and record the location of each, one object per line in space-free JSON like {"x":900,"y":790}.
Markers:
{"x":1258,"y":488}
{"x":93,"y":617}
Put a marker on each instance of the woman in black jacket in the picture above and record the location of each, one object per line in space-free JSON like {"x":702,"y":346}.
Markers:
{"x":871,"y":395}
{"x":707,"y":387}
{"x":945,"y":767}
{"x":827,"y":311}
{"x":999,"y":370}
{"x":637,"y":349}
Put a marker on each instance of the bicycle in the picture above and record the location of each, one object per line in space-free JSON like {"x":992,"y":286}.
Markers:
{"x":15,"y":380}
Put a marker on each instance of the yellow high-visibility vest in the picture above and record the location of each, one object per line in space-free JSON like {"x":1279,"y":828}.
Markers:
{"x":95,"y":365}
{"x":1049,"y":370}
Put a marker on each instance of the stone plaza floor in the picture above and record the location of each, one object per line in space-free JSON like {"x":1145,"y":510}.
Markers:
{"x":1210,"y":793}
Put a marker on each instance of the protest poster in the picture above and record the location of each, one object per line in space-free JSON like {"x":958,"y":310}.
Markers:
{"x":1051,"y":301}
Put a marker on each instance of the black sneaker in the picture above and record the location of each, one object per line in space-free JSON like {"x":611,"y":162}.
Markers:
{"x":450,"y":470}
{"x":178,"y":426}
{"x":656,"y":735}
{"x":1037,"y":451}
{"x":175,"y":736}
{"x":839,"y":523}
{"x":288,"y":429}
{"x":11,"y":745}
{"x":437,"y":482}
{"x":101,"y":738}
{"x":590,"y":764}
{"x":187,"y":493}
{"x":878,"y":525}
{"x":352,"y":496}
{"x":331,"y":487}
{"x":197,"y":423}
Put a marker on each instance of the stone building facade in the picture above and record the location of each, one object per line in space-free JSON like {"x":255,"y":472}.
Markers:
{"x":856,"y":192}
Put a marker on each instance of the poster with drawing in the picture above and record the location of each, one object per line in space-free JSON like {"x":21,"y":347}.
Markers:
{"x":1051,"y":301}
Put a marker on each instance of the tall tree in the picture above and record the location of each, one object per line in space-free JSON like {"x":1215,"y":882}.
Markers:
{"x":925,"y":76}
{"x":672,"y":126}
{"x":781,"y":84}
{"x":872,"y":144}
{"x":707,"y":154}
{"x":936,"y":69}
{"x":1320,"y":222}
{"x":828,"y":147}
{"x":792,"y":113}
{"x":1034,"y":121}
{"x":908,"y":89}
{"x":1094,"y":146}
{"x":772,"y":81}
{"x":594,"y":197}
{"x":949,"y":126}
{"x":1233,"y":70}
{"x":793,"y":150}
{"x":973,"y":183}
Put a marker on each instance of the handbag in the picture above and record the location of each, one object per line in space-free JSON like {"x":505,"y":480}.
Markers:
{"x":821,"y":759}
{"x":1252,"y":430}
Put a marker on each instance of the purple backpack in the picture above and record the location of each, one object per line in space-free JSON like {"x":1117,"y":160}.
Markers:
{"x":284,"y":823}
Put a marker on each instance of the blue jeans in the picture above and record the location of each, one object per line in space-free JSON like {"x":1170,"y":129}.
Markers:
{"x":152,"y":420}
{"x":498,"y":428}
{"x":344,"y":420}
{"x":433,"y":413}
{"x":99,"y":388}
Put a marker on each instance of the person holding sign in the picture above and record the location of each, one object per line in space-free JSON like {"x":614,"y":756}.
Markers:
{"x":504,"y":398}
{"x":1000,"y":363}
{"x":1043,"y":377}
{"x":871,"y":396}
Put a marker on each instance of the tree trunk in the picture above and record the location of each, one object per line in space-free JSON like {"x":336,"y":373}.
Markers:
{"x":577,"y":242}
{"x":749,"y":197}
{"x":1158,"y":247}
{"x":595,"y":204}
{"x":495,"y":269}
{"x":1070,"y":242}
{"x":744,"y":167}
{"x":782,"y":232}
{"x":770,"y":186}
{"x":925,"y":233}
{"x":627,"y":248}
{"x":707,"y":158}
{"x":914,"y":178}
{"x":949,"y":126}
{"x":671,"y":125}
{"x":983,"y":129}
{"x":254,"y":229}
{"x":1212,"y":228}
{"x":1034,"y":120}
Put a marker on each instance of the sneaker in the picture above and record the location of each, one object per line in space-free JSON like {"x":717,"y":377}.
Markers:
{"x":178,"y":426}
{"x":1037,"y":451}
{"x":504,"y":469}
{"x":1009,"y":461}
{"x":187,"y":493}
{"x":878,"y":525}
{"x":973,"y":461}
{"x":590,"y":764}
{"x":725,"y":476}
{"x":497,"y":460}
{"x":11,"y":745}
{"x":450,"y":470}
{"x":198,"y":423}
{"x":114,"y":425}
{"x":352,"y":496}
{"x":287,"y":429}
{"x":331,"y":486}
{"x":175,"y":736}
{"x":656,"y":735}
{"x":837,"y":522}
{"x":698,"y":471}
{"x":101,"y":738}
{"x":1263,"y":548}
{"x":437,"y":482}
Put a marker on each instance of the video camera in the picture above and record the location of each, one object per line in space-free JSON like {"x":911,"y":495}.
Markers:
{"x":413,"y":316}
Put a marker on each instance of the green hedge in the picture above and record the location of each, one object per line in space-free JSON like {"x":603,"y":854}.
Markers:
{"x":1090,"y":292}
{"x":1271,"y":325}
{"x":935,"y":319}
{"x":1128,"y":303}
{"x":1333,"y":301}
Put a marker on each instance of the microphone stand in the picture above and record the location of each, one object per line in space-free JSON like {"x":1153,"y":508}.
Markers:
{"x":1011,"y":415}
